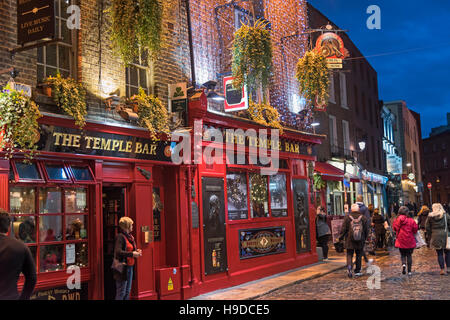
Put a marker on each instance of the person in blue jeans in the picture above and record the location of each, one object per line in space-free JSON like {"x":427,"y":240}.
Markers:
{"x":126,"y":252}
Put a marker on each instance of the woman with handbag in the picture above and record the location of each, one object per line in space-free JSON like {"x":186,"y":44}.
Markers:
{"x":405,"y":228}
{"x":323,"y":231}
{"x":437,"y":227}
{"x":125,"y":253}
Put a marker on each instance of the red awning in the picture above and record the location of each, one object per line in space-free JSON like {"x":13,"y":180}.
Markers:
{"x":329,"y":172}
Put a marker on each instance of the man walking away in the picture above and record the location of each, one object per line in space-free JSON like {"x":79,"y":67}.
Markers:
{"x":15,"y":257}
{"x":366,"y":213}
{"x":354,"y":230}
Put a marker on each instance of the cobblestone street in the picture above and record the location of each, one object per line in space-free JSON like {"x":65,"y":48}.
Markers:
{"x":424,"y":284}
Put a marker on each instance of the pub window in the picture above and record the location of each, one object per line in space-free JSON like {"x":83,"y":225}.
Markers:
{"x":82,"y":173}
{"x":56,"y":172}
{"x":57,"y":57}
{"x":262,"y":196}
{"x":27,"y":171}
{"x":136,"y":75}
{"x":51,"y":220}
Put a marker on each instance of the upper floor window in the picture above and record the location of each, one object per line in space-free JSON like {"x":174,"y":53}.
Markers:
{"x":136,"y":75}
{"x":332,"y":98}
{"x":343,"y":89}
{"x":60,"y":56}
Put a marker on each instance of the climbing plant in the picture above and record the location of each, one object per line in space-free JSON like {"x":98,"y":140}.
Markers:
{"x":319,"y":184}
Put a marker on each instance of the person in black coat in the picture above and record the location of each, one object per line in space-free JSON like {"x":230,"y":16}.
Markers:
{"x":15,"y":258}
{"x":378,"y":224}
{"x":323,"y":231}
{"x":354,"y":246}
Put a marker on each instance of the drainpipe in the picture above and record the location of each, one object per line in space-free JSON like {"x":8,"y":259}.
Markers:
{"x":191,"y":47}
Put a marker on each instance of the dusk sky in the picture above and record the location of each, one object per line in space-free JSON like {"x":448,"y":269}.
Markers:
{"x":417,"y":33}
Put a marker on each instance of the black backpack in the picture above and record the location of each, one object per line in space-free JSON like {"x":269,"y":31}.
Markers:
{"x":356,"y":228}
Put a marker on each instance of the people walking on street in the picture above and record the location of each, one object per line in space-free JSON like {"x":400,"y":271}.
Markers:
{"x":366,"y":213}
{"x":15,"y":258}
{"x":421,"y":221}
{"x":125,"y":252}
{"x":437,"y":227}
{"x":405,"y":228}
{"x":380,"y":231}
{"x":354,"y":231}
{"x":323,"y":232}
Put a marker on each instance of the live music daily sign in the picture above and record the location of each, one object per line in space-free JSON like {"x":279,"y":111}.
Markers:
{"x":35,"y":20}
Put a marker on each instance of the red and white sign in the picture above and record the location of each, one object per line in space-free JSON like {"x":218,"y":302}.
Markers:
{"x":331,"y":46}
{"x":235,"y":100}
{"x":429,"y":185}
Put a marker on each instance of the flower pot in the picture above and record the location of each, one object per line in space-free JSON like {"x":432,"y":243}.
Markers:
{"x":47,"y":90}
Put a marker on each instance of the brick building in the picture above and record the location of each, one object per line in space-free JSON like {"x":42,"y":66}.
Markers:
{"x":436,"y":157}
{"x":353,"y":115}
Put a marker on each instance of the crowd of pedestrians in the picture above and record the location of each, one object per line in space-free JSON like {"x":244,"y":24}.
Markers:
{"x":365,"y":229}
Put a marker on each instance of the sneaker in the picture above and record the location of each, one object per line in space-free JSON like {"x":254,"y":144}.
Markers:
{"x":442,"y":272}
{"x":349,"y":273}
{"x":358,"y":274}
{"x":325,"y":259}
{"x":369,"y":263}
{"x":404,"y":269}
{"x":410,"y":273}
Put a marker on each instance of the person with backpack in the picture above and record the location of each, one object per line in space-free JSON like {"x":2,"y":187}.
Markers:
{"x":405,"y":228}
{"x":355,"y":230}
{"x":365,"y":212}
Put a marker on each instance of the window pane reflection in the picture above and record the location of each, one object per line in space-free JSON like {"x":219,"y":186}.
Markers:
{"x":22,"y":200}
{"x":76,"y":227}
{"x":278,"y":195}
{"x":77,"y":254}
{"x":75,"y":200}
{"x":50,"y":200}
{"x":51,"y":258}
{"x":27,"y":171}
{"x":56,"y":172}
{"x":50,"y":228}
{"x":24,"y":228}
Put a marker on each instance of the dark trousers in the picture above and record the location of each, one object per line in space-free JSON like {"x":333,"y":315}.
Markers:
{"x":380,"y":239}
{"x":358,"y":253}
{"x":322,"y":242}
{"x":123,"y":288}
{"x":406,"y":256}
{"x":442,"y":262}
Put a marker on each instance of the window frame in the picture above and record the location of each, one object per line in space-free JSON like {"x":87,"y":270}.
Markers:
{"x":247,"y":170}
{"x":17,"y":178}
{"x":63,"y":165}
{"x":63,"y":186}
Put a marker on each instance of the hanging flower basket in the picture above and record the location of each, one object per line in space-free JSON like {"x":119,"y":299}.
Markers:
{"x":153,"y":115}
{"x":70,"y":96}
{"x":252,"y":57}
{"x":18,"y":123}
{"x":313,"y":77}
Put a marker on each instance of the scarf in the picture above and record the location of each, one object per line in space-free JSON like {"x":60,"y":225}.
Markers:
{"x":130,"y":238}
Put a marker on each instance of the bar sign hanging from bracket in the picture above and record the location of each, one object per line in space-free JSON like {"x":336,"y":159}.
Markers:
{"x":35,"y":20}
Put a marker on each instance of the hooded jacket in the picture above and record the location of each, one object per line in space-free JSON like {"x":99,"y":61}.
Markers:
{"x":423,"y":218}
{"x":405,"y":228}
{"x":435,"y":229}
{"x":365,"y":212}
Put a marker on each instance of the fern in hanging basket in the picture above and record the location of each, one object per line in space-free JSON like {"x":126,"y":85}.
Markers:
{"x":70,"y":96}
{"x":153,"y":115}
{"x":252,"y":56}
{"x":136,"y":24}
{"x":313,"y":76}
{"x":19,"y":128}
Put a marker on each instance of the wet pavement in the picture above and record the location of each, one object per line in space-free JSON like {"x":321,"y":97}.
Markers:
{"x":425,"y":283}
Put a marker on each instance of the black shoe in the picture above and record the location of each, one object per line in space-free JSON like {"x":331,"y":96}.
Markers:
{"x":349,"y":273}
{"x":404,"y":269}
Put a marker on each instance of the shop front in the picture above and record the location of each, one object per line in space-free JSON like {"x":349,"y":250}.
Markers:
{"x":374,"y":190}
{"x":251,"y":224}
{"x":66,"y":204}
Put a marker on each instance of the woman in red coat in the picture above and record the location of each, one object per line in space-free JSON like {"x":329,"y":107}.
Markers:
{"x":405,"y":228}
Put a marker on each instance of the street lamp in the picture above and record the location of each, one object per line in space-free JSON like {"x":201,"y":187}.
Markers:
{"x":362,"y":145}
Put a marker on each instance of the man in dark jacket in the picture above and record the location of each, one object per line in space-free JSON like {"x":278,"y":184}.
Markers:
{"x":366,"y":213}
{"x":354,"y":246}
{"x":15,"y":257}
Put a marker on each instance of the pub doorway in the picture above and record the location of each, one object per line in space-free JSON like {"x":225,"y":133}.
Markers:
{"x":114,"y":208}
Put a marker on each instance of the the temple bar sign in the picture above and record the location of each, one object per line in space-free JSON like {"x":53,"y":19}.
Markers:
{"x":35,"y":20}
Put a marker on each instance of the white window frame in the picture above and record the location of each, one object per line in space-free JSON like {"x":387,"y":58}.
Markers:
{"x":346,"y":136}
{"x":332,"y":97}
{"x":343,"y":90}
{"x":333,"y":131}
{"x":141,"y":65}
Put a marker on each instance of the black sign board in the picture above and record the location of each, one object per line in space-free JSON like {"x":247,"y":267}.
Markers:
{"x":301,"y":215}
{"x":67,"y":140}
{"x":35,"y":20}
{"x":214,"y":228}
{"x":62,"y":293}
{"x":180,"y":108}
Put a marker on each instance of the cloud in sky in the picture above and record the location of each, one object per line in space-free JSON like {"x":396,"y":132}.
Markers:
{"x":421,"y":77}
